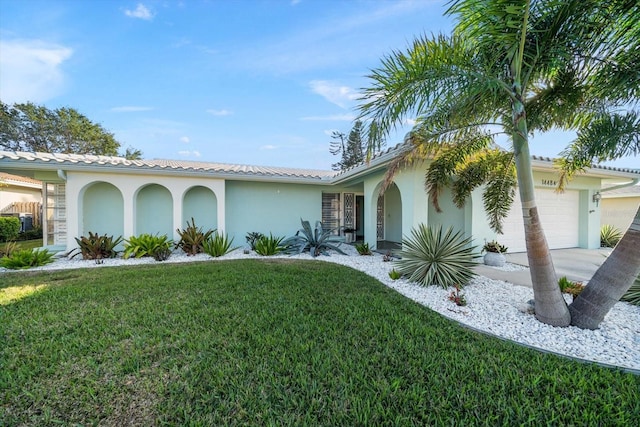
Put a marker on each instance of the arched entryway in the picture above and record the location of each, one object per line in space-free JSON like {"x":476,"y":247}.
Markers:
{"x":389,"y":218}
{"x":201,"y":204}
{"x":102,"y":210}
{"x":154,"y":210}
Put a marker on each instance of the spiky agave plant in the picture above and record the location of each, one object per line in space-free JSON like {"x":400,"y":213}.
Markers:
{"x":609,"y":236}
{"x":433,"y":256}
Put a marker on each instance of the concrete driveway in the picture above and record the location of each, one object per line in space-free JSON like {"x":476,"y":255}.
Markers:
{"x":576,"y":264}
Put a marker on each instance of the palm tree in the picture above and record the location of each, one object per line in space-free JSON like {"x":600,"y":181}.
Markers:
{"x":518,"y":66}
{"x":617,"y":274}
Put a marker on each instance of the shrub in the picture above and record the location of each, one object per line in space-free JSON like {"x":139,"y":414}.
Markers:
{"x":26,"y":258}
{"x":97,"y":247}
{"x":363,"y":248}
{"x":148,"y":245}
{"x":34,"y":233}
{"x":395,"y":274}
{"x":316,"y":241}
{"x":252,"y":238}
{"x":217,"y":245}
{"x":494,"y":247}
{"x":9,"y":248}
{"x":457,"y":297}
{"x":9,"y":228}
{"x":569,"y":287}
{"x":632,"y":296}
{"x":433,"y":257}
{"x":192,"y":238}
{"x":267,"y":246}
{"x":609,"y":236}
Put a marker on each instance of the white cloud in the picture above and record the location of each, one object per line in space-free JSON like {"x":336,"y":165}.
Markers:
{"x":269,"y":147}
{"x":140,"y":12}
{"x":130,"y":109}
{"x":185,"y":139}
{"x":337,"y":94}
{"x":187,"y":153}
{"x":410,"y":122}
{"x":331,"y":118}
{"x":220,"y":112}
{"x":31,"y":70}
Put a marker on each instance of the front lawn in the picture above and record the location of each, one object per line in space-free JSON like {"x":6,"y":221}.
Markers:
{"x":271,"y":342}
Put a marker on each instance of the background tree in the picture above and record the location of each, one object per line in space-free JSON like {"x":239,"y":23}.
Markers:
{"x":33,"y":128}
{"x":352,"y":148}
{"x":517,"y":66}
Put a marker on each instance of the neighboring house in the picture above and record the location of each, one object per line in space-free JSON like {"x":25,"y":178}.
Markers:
{"x":128,"y":197}
{"x":21,"y":196}
{"x":619,"y":206}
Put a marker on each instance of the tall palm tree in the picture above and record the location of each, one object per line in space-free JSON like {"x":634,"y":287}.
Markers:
{"x":617,"y":274}
{"x":518,"y":66}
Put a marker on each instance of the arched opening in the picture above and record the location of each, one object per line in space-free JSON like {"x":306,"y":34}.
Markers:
{"x":102,"y":210}
{"x":389,"y":219}
{"x":154,"y":211}
{"x":201,"y":204}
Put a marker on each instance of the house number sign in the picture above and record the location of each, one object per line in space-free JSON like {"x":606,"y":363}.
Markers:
{"x":549,"y":183}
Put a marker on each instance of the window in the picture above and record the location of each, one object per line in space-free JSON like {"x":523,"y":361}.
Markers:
{"x":331,"y":211}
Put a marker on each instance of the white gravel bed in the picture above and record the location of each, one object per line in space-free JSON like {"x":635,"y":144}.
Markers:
{"x":492,"y":306}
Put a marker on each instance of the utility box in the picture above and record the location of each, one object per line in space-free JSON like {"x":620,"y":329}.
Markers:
{"x":26,"y":221}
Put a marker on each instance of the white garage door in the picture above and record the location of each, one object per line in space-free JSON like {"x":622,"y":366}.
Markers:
{"x":559,"y":216}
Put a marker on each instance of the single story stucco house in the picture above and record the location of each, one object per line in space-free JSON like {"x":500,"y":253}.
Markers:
{"x":122,"y":197}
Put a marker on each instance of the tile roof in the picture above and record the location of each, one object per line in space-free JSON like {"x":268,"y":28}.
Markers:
{"x":232,"y":170}
{"x":632,"y":191}
{"x":16,"y":178}
{"x":176,"y":165}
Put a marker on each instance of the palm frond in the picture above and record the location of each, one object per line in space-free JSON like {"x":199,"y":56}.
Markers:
{"x":607,"y":137}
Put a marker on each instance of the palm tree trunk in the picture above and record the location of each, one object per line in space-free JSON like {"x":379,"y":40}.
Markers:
{"x":610,"y":282}
{"x":550,"y":306}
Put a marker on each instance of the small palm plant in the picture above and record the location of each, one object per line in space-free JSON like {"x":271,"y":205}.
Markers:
{"x":316,"y":241}
{"x":433,"y":256}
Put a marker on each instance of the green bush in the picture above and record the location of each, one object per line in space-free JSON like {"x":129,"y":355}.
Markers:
{"x":394,"y":274}
{"x":316,"y":241}
{"x":495,"y":247}
{"x":609,"y":236}
{"x":192,"y":238}
{"x":9,"y":228}
{"x":34,"y":233}
{"x":8,"y":248}
{"x":436,"y":257}
{"x":363,"y":248}
{"x":632,"y":296}
{"x":269,"y":245}
{"x":26,"y":258}
{"x":217,"y":245}
{"x":148,"y":245}
{"x":97,"y":247}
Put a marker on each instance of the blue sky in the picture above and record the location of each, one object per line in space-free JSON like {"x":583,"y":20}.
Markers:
{"x":248,"y":81}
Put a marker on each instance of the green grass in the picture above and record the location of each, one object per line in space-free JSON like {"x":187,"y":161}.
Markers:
{"x":24,"y":244}
{"x":276,"y":342}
